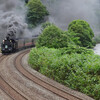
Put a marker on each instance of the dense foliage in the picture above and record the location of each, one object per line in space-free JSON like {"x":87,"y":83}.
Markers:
{"x":62,"y":56}
{"x":79,"y":69}
{"x":36,"y":11}
{"x":79,"y":33}
{"x":44,"y":25}
{"x":53,"y":37}
{"x":83,"y":31}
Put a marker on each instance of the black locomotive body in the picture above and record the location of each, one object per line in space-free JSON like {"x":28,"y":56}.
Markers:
{"x":11,"y":45}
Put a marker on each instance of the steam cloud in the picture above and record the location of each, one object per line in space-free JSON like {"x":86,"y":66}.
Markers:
{"x":12,"y":18}
{"x":62,"y":12}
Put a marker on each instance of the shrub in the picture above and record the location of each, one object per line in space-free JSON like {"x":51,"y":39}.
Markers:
{"x":53,"y":37}
{"x":36,"y":11}
{"x":80,"y":70}
{"x":46,"y":24}
{"x":76,"y":49}
{"x":83,"y":31}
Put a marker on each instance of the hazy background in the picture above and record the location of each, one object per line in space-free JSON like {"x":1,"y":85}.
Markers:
{"x":62,"y":12}
{"x":12,"y":18}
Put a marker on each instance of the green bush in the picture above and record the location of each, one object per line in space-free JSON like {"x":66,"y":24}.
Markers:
{"x":79,"y":69}
{"x":53,"y":37}
{"x":65,"y":59}
{"x":76,"y":49}
{"x":44,"y":25}
{"x":79,"y":33}
{"x":83,"y":31}
{"x":36,"y":12}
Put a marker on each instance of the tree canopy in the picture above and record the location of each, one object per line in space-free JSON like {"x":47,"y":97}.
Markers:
{"x":53,"y":37}
{"x":82,"y":30}
{"x":36,"y":11}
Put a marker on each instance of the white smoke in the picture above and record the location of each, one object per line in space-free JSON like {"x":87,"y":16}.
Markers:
{"x":62,"y":12}
{"x":12,"y":18}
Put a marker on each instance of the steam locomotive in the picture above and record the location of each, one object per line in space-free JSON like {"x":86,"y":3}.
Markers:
{"x":11,"y":44}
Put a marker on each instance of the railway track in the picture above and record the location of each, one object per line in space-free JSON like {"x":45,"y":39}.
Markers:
{"x":10,"y":92}
{"x":21,"y":94}
{"x":56,"y":90}
{"x":1,"y":80}
{"x":15,"y":86}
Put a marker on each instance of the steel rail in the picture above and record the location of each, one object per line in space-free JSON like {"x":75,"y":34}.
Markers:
{"x":34,"y":78}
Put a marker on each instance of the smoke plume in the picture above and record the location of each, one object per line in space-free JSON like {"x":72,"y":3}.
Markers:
{"x":12,"y":18}
{"x":62,"y":12}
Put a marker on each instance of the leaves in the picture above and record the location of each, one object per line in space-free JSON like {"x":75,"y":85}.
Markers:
{"x":83,"y":31}
{"x":36,"y":11}
{"x":53,"y":37}
{"x":79,"y":69}
{"x":63,"y":56}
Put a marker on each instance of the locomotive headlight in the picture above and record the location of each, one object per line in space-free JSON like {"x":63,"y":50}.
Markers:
{"x":3,"y":41}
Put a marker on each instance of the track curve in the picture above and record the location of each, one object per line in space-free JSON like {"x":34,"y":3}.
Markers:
{"x":10,"y":91}
{"x":56,"y":90}
{"x":19,"y":83}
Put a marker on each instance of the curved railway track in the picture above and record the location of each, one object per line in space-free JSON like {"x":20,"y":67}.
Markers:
{"x":58,"y":90}
{"x":2,"y":82}
{"x":10,"y":91}
{"x":64,"y":94}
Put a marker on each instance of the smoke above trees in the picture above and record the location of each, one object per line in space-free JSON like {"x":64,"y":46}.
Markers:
{"x":13,"y":19}
{"x":62,"y":12}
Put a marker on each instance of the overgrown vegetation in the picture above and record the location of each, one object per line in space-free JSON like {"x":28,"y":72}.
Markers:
{"x":82,"y":30}
{"x":36,"y":12}
{"x":44,"y":25}
{"x":52,"y":36}
{"x":77,"y":68}
{"x":79,"y":33}
{"x":62,"y":56}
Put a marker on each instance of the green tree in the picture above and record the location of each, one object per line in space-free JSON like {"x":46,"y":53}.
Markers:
{"x":53,"y":37}
{"x":83,"y":31}
{"x":36,"y":12}
{"x":44,"y":25}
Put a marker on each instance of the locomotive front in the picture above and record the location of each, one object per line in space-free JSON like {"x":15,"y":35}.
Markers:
{"x":6,"y":46}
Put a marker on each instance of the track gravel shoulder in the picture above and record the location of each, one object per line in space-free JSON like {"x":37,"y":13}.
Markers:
{"x":21,"y":84}
{"x":26,"y":87}
{"x":3,"y":95}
